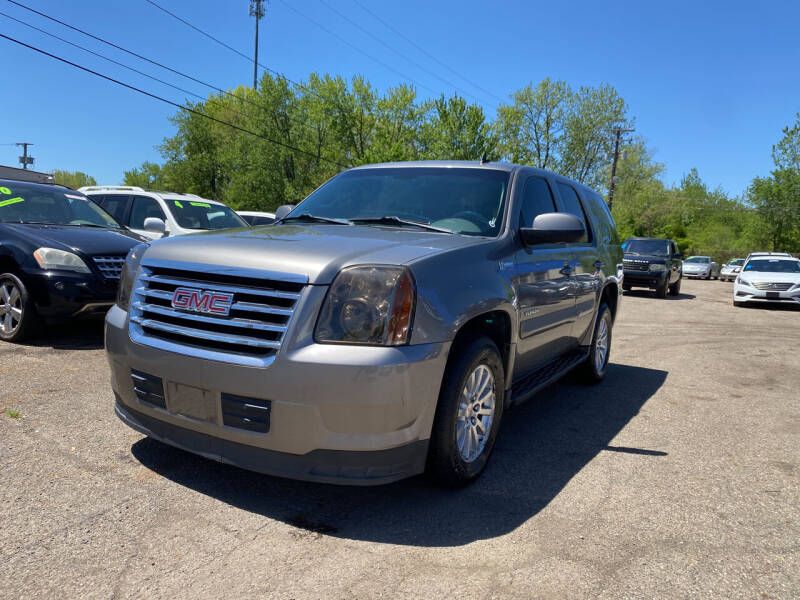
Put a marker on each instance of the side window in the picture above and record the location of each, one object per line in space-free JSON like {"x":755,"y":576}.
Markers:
{"x":144,"y":208}
{"x":572,"y":205}
{"x":536,"y":200}
{"x":115,"y":206}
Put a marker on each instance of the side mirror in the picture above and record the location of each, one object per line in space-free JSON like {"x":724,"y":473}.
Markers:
{"x":553,"y":228}
{"x":678,"y":255}
{"x":284,"y":210}
{"x":155,"y":225}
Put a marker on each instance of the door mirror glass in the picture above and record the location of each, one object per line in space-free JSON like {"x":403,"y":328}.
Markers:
{"x":284,"y":210}
{"x":553,"y":228}
{"x":155,"y":225}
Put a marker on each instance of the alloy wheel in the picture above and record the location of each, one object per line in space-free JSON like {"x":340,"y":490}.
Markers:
{"x":476,"y":409}
{"x":10,"y":308}
{"x":601,"y":346}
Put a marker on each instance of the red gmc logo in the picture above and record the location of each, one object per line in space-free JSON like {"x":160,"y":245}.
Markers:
{"x":215,"y":303}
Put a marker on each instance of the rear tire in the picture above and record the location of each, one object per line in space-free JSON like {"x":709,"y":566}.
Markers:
{"x":463,"y":438}
{"x":675,"y":288}
{"x":18,"y":317}
{"x":594,"y":369}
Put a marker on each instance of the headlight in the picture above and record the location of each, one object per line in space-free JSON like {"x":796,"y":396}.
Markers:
{"x":128,"y":275}
{"x":50,"y":258}
{"x":368,"y":305}
{"x":741,"y":281}
{"x":658,"y":268}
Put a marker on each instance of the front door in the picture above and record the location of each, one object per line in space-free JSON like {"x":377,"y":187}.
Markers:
{"x":544,"y":286}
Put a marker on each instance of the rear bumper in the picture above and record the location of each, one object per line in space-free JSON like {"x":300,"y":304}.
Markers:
{"x":324,"y":466}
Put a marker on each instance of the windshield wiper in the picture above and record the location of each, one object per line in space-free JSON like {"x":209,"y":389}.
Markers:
{"x":316,"y":219}
{"x":392,"y":220}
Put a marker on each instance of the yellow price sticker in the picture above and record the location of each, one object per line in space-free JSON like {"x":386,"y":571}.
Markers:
{"x":178,"y":204}
{"x":11,"y":201}
{"x":203,"y":204}
{"x":5,"y":190}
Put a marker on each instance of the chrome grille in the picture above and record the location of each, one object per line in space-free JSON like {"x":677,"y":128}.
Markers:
{"x":772,"y":287}
{"x":109,"y":266}
{"x":252,"y":332}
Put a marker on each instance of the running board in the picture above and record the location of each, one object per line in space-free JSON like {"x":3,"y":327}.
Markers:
{"x":544,"y":376}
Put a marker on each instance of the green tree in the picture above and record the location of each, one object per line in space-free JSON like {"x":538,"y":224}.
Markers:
{"x":149,"y":175}
{"x":786,"y":153}
{"x":777,"y":203}
{"x":73,"y":179}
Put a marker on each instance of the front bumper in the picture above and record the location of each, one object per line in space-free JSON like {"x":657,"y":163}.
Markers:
{"x":64,"y":294}
{"x":705,"y":273}
{"x":743,"y":293}
{"x":649,"y":279}
{"x":356,"y":415}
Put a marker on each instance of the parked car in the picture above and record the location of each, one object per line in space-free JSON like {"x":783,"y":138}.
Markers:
{"x":653,"y":263}
{"x":256,"y":218}
{"x":380,"y":327}
{"x":158,"y":214}
{"x":758,"y":254}
{"x":60,"y":257}
{"x":731,"y":269}
{"x":768,"y":278}
{"x":700,"y":266}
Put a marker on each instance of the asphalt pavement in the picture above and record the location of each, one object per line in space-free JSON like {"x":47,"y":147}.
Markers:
{"x":677,"y":477}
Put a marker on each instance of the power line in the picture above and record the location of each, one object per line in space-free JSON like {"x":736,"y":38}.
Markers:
{"x":398,"y":52}
{"x":354,"y":47}
{"x":425,"y":52}
{"x":170,"y":102}
{"x":149,"y":60}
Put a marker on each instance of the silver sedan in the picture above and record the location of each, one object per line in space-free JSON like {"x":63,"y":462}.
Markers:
{"x":700,"y":266}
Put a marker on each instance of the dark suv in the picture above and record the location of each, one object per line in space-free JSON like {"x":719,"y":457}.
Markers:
{"x":377,"y":330}
{"x":60,"y":256}
{"x":653,"y":263}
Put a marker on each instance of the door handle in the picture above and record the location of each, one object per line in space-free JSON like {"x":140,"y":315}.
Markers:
{"x":566,"y":269}
{"x":599,"y":264}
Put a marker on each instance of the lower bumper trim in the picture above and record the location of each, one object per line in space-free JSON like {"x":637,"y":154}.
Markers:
{"x":324,"y":466}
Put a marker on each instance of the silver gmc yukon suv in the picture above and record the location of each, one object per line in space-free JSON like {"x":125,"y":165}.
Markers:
{"x":378,"y":331}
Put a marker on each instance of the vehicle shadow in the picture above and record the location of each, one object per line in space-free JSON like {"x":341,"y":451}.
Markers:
{"x":642,"y":293}
{"x":74,"y":335}
{"x":776,"y":306}
{"x":542,"y":445}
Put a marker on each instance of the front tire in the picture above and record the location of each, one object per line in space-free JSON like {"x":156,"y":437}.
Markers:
{"x":661,"y":290}
{"x":675,"y":288}
{"x":468,"y":414}
{"x":594,"y":369}
{"x":18,"y":318}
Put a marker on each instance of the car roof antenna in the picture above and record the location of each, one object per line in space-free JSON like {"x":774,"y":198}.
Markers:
{"x":484,"y":160}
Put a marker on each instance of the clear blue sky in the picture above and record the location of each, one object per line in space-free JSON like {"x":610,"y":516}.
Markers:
{"x":711,"y":84}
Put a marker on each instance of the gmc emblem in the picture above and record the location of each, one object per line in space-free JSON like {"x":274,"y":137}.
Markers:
{"x":215,"y":303}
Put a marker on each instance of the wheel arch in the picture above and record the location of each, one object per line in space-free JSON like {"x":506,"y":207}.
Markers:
{"x":495,"y":325}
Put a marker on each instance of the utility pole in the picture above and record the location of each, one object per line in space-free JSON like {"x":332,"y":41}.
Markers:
{"x":25,"y":160}
{"x":618,"y":133}
{"x":256,"y":10}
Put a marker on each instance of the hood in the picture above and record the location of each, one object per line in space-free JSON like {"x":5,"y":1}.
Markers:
{"x":318,"y":251}
{"x":763,"y":276}
{"x":88,"y":240}
{"x":651,"y":258}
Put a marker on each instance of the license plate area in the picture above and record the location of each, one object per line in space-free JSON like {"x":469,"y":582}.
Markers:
{"x":773,"y":294}
{"x":190,"y":401}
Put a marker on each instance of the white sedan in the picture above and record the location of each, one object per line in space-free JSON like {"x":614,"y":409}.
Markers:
{"x":700,"y":266}
{"x":768,"y":279}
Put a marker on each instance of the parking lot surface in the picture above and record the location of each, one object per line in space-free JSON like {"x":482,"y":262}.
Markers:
{"x":676,"y":477}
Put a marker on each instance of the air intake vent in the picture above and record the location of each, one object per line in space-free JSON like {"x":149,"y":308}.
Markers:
{"x":246,"y":413}
{"x":148,"y":389}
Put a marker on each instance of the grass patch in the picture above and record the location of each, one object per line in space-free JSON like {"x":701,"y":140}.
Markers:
{"x":11,"y":412}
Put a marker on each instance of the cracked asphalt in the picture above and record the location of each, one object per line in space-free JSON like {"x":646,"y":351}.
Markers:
{"x":677,"y":477}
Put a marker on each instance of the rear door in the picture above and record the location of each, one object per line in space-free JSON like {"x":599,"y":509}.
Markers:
{"x":117,"y":206}
{"x":544,"y":287}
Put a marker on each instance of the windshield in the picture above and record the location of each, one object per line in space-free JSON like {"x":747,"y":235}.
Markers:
{"x":774,"y":265}
{"x":196,"y":214}
{"x":30,"y":203}
{"x":735,"y":262}
{"x":698,"y":259}
{"x":654,"y":247}
{"x":462,"y":200}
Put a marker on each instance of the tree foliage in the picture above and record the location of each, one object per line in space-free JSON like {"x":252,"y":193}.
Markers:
{"x":73,"y":179}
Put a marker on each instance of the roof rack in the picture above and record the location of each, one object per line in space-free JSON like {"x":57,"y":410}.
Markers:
{"x":119,"y":188}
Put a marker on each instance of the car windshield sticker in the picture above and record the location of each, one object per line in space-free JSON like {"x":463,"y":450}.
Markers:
{"x":74,"y":197}
{"x":178,"y":204}
{"x":5,"y":190}
{"x":11,"y":201}
{"x":203,"y":204}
